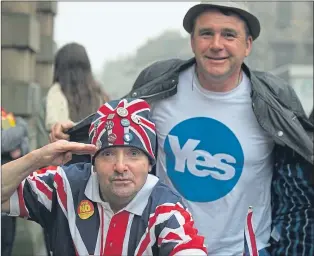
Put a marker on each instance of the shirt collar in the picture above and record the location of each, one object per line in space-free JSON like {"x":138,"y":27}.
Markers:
{"x":138,"y":203}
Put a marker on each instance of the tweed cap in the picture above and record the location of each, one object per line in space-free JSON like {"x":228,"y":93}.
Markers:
{"x":239,"y":8}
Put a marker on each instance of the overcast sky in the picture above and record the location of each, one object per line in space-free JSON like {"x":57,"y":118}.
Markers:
{"x":109,"y":30}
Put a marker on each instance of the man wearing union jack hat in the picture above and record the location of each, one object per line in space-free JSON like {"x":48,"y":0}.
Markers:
{"x":111,"y":206}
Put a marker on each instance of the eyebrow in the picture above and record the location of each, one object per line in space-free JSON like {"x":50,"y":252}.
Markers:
{"x":229,"y":30}
{"x":224,"y":30}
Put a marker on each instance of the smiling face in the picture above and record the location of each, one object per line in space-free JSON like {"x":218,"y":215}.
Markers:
{"x":122,"y":172}
{"x":220,"y":45}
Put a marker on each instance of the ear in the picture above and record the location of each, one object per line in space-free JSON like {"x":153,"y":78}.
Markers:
{"x":192,"y":42}
{"x":249,"y":42}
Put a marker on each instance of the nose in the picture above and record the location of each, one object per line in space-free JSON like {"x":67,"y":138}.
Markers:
{"x":216,"y":44}
{"x":120,"y":166}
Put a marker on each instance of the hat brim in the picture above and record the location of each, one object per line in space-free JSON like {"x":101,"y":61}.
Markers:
{"x":252,"y":22}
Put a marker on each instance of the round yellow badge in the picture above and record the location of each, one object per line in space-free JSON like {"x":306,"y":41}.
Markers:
{"x":85,"y":209}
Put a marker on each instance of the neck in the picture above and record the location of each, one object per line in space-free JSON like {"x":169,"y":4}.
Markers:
{"x":116,"y":203}
{"x":219,"y":84}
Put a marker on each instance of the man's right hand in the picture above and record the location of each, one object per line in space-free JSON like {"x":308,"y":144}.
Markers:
{"x":58,"y":131}
{"x":60,"y":152}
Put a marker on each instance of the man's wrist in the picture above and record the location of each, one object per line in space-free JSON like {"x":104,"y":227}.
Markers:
{"x":34,"y":160}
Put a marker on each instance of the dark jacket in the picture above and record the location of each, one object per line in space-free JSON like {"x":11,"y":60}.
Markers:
{"x":280,"y":113}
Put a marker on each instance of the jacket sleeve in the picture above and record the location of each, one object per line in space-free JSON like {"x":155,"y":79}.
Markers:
{"x":33,"y":198}
{"x":57,"y":109}
{"x":13,"y":137}
{"x":178,"y":235}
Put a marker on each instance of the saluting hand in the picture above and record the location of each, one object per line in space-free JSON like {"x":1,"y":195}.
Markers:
{"x":60,"y":152}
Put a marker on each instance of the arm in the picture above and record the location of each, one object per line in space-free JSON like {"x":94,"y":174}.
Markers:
{"x":57,"y":109}
{"x":179,"y":235}
{"x":15,"y":172}
{"x":12,"y":138}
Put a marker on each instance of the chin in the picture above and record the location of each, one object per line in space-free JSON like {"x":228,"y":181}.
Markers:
{"x":216,"y":72}
{"x":125,"y":194}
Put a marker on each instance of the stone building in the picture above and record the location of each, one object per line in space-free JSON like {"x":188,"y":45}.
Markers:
{"x":286,"y":36}
{"x":27,"y":49}
{"x":285,"y":46}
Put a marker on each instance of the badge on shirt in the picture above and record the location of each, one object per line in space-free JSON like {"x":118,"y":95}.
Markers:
{"x":85,"y":209}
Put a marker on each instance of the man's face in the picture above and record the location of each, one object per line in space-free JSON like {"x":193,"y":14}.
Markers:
{"x":122,"y":172}
{"x":220,"y":45}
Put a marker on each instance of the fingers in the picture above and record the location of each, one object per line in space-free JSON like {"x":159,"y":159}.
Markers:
{"x":67,"y":125}
{"x":78,"y":148}
{"x":58,"y":131}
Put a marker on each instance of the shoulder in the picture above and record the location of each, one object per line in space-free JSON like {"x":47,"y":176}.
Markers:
{"x":157,"y":69}
{"x":76,"y":175}
{"x":55,"y":88}
{"x":281,"y":91}
{"x":275,"y":83}
{"x":163,"y":194}
{"x":55,"y":92}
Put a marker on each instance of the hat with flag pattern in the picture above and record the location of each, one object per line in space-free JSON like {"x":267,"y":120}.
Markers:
{"x":124,"y":122}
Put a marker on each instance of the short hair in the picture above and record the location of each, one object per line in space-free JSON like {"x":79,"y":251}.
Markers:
{"x":227,"y":13}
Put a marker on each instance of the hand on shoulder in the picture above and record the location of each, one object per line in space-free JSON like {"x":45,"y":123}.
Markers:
{"x":58,"y":131}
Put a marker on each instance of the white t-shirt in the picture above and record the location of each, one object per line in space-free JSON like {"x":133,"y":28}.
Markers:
{"x":212,"y":151}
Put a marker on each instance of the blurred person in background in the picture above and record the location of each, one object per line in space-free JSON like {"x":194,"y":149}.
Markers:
{"x":74,"y":93}
{"x":14,"y":144}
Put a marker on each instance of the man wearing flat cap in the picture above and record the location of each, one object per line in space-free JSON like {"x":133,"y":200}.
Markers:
{"x":231,"y":139}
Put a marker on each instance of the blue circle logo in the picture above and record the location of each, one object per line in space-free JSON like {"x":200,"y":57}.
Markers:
{"x":204,"y":159}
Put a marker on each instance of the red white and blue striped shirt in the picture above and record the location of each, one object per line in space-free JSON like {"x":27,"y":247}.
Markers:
{"x":65,"y":201}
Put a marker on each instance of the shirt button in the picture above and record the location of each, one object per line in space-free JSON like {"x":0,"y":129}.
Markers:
{"x":280,"y":133}
{"x":114,"y":225}
{"x":110,"y":244}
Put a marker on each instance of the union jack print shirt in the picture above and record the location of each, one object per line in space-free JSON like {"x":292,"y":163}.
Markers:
{"x":65,"y":201}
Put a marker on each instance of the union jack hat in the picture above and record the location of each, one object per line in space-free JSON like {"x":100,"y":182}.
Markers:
{"x":124,"y":122}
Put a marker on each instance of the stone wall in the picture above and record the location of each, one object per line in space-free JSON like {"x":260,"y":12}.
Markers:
{"x":28,"y":49}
